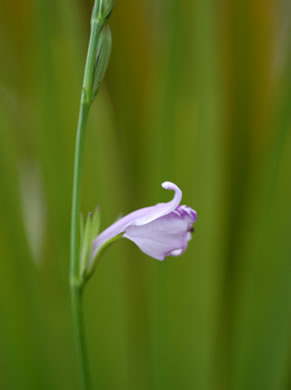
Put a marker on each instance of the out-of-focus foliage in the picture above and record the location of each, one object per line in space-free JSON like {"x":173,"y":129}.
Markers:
{"x":199,"y":93}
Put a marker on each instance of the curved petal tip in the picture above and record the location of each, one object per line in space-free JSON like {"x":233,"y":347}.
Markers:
{"x":168,"y":185}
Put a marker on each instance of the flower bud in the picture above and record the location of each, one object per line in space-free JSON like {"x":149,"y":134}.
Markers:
{"x":102,"y":60}
{"x":107,"y":6}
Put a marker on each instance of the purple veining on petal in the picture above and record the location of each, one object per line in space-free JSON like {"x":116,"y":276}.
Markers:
{"x":159,"y":231}
{"x":186,"y":212}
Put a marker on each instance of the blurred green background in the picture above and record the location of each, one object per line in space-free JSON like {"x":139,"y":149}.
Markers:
{"x":197,"y":92}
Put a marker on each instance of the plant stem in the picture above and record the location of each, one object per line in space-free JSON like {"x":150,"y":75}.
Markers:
{"x":76,"y":297}
{"x":76,"y":280}
{"x":75,"y":226}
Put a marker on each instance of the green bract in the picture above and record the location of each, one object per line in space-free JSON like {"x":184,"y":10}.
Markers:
{"x":102,"y":60}
{"x":88,"y":233}
{"x":107,"y":6}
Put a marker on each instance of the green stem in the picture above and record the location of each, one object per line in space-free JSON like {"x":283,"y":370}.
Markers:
{"x":76,"y":281}
{"x":76,"y":297}
{"x":75,"y":226}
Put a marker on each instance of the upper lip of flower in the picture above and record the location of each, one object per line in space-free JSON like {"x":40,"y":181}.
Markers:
{"x":160,"y":230}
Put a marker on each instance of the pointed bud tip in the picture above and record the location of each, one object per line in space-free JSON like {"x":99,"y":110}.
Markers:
{"x":107,"y":7}
{"x":102,"y":60}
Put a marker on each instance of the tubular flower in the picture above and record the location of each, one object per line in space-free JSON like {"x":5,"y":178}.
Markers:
{"x":159,"y":231}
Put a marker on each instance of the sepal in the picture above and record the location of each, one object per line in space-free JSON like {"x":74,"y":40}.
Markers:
{"x":88,"y":232}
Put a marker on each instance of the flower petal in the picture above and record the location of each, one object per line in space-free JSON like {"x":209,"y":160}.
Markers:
{"x":138,"y":218}
{"x":165,"y":236}
{"x":150,"y":213}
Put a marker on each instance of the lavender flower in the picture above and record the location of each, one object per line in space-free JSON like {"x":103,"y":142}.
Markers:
{"x":159,"y":231}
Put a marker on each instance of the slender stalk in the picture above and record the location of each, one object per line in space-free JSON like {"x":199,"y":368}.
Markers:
{"x":76,"y":281}
{"x":75,"y":224}
{"x":76,"y":297}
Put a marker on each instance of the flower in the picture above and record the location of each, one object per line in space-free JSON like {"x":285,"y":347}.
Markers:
{"x":159,"y":231}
